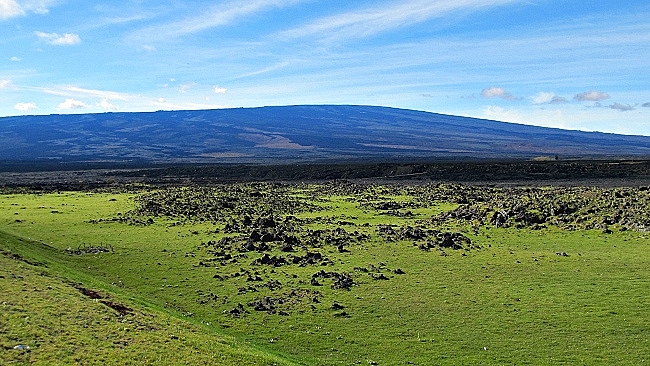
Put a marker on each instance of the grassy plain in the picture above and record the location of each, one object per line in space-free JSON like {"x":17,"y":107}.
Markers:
{"x":367,"y":279}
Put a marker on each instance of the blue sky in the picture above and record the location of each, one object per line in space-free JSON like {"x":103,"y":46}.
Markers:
{"x":569,"y":64}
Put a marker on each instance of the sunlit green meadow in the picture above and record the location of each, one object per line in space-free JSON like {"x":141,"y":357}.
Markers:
{"x":525,"y":296}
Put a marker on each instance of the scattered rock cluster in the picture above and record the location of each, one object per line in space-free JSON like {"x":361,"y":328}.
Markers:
{"x":274,"y":249}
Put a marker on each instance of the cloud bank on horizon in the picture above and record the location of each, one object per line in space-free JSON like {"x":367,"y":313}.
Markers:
{"x":568,"y":64}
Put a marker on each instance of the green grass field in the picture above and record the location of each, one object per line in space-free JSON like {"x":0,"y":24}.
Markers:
{"x":326,"y":274}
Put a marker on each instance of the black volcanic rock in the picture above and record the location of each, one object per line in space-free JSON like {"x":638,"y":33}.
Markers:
{"x":293,"y":134}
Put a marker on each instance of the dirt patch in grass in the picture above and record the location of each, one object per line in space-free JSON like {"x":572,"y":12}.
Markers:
{"x":103,"y":298}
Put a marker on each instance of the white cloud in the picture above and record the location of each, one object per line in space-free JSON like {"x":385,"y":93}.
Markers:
{"x":494,"y":92}
{"x":74,"y":91}
{"x":645,"y":105}
{"x":71,"y":104}
{"x":220,"y":90}
{"x":24,"y":107}
{"x":543,"y":97}
{"x":162,"y":100}
{"x":149,"y":48}
{"x":621,"y":107}
{"x":67,"y":39}
{"x":553,"y":118}
{"x":105,"y":94}
{"x":501,"y":114}
{"x":183,"y":88}
{"x":105,"y":104}
{"x":4,"y":83}
{"x":10,"y":9}
{"x":373,"y":20}
{"x":14,"y":59}
{"x":548,"y":98}
{"x":591,"y":96}
{"x":38,"y":6}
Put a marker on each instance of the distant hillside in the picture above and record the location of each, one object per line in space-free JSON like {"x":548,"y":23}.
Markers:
{"x":293,"y":134}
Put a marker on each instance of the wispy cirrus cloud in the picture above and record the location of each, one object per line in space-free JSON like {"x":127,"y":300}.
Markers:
{"x":277,"y":66}
{"x":216,"y":16}
{"x":77,"y":92}
{"x":66,"y":39}
{"x":4,"y":83}
{"x":110,"y":21}
{"x":105,"y":94}
{"x":376,"y":19}
{"x":75,"y":95}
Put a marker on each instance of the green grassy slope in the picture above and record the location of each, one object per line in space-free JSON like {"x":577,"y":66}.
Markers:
{"x":61,"y":326}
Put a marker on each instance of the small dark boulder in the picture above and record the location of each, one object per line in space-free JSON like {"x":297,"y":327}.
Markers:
{"x":314,"y":282}
{"x":266,"y":222}
{"x":286,"y":248}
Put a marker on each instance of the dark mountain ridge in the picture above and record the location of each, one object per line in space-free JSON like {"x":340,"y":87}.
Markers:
{"x":290,"y":134}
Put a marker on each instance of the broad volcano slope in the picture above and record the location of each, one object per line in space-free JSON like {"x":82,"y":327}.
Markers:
{"x":293,"y":134}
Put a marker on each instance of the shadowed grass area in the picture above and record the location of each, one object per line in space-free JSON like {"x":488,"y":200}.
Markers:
{"x":333,"y":274}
